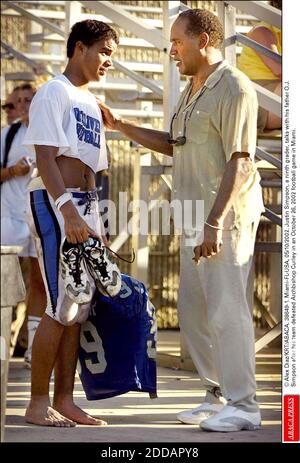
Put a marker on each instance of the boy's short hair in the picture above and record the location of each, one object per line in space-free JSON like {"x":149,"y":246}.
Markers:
{"x":88,"y":32}
{"x":199,"y":21}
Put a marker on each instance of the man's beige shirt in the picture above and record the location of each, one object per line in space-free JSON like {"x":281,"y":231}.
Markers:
{"x":220,"y":120}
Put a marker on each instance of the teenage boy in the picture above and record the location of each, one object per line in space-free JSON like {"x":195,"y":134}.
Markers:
{"x":67,"y":134}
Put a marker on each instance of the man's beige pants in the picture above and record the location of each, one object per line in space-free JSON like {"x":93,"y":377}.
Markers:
{"x":215,"y":316}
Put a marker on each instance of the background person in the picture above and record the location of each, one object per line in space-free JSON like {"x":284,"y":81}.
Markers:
{"x":15,"y":177}
{"x":10,"y":106}
{"x":262,"y":69}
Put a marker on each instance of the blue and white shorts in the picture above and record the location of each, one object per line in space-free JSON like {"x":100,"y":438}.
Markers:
{"x":47,"y":226}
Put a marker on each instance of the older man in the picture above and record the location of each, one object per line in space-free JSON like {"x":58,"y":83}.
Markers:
{"x":212,"y":140}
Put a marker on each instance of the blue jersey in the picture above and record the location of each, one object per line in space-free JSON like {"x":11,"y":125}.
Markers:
{"x":118,"y":343}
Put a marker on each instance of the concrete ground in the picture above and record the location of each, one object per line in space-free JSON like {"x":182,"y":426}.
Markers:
{"x":133,"y":417}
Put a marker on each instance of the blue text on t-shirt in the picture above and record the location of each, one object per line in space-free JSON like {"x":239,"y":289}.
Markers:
{"x":88,"y":128}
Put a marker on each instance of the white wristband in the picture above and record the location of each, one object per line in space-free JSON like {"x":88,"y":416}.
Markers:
{"x":64,"y":198}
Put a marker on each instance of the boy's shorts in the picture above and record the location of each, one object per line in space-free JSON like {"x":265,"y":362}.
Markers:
{"x":47,"y":226}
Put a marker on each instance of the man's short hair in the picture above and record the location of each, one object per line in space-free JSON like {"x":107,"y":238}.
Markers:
{"x":198,"y":21}
{"x":88,"y":32}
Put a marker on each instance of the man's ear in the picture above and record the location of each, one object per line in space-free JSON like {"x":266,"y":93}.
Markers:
{"x":203,"y":40}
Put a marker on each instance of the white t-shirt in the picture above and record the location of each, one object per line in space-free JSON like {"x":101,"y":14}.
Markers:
{"x":14,"y":191}
{"x":64,"y":116}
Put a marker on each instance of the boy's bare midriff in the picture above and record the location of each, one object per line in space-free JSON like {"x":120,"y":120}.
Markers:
{"x":76,"y":174}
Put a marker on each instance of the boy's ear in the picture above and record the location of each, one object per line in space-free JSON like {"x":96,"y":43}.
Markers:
{"x":80,"y":46}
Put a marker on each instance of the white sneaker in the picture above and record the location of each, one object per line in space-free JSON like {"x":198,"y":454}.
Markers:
{"x":105,"y":273}
{"x":232,"y":419}
{"x":74,"y":274}
{"x":200,"y":413}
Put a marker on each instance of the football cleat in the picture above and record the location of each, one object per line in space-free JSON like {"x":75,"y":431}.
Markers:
{"x":105,"y":273}
{"x":74,"y":274}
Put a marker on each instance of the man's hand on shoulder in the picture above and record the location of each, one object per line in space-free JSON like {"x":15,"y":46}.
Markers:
{"x":109,"y":118}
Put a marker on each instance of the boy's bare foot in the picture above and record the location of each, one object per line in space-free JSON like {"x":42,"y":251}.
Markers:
{"x":39,"y":412}
{"x":69,"y":409}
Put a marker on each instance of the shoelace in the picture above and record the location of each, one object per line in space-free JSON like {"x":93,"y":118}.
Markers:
{"x":102,"y":265}
{"x":122,"y":258}
{"x":75,"y":270}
